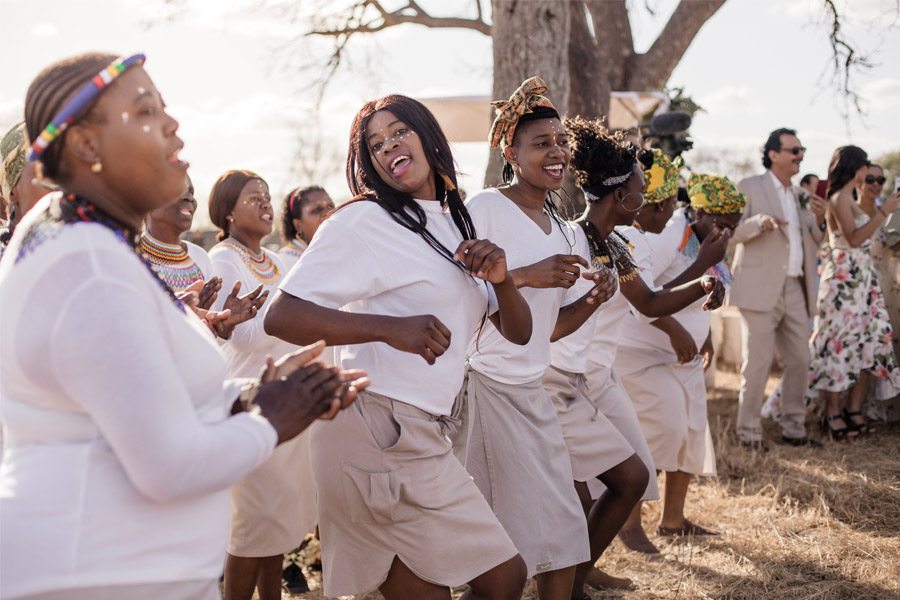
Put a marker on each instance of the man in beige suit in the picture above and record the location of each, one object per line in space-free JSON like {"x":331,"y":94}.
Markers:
{"x":775,"y":288}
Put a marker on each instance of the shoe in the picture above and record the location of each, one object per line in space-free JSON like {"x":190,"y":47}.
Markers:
{"x":804,"y":442}
{"x":637,"y":541}
{"x":863,"y":427}
{"x":687,"y":530}
{"x":600,"y":580}
{"x":293,"y":580}
{"x":837,"y":434}
{"x":755,"y":445}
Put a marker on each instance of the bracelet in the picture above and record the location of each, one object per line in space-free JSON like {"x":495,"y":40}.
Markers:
{"x":248,"y":394}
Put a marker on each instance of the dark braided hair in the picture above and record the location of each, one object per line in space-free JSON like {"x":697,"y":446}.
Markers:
{"x":598,"y":154}
{"x":293,"y":209}
{"x":367,"y":184}
{"x":47,"y":94}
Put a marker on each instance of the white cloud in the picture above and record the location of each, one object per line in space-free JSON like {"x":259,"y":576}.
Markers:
{"x":732,"y":100}
{"x":882,"y":95}
{"x":865,"y":10}
{"x":44,"y":30}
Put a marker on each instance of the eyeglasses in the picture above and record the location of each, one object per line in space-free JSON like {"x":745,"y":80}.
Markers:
{"x":795,"y":150}
{"x":870,"y":179}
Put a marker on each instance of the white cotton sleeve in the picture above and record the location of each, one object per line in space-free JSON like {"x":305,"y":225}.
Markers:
{"x":125,"y":380}
{"x":339,"y":266}
{"x":250,"y":336}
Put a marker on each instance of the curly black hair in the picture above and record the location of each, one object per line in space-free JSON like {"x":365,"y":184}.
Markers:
{"x":598,"y":155}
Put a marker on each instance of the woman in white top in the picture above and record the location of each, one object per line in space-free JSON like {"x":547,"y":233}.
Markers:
{"x":397,"y":281}
{"x":513,"y":443}
{"x":121,"y":435}
{"x":609,"y":172}
{"x":273,"y":508}
{"x":659,"y":365}
{"x":305,"y":208}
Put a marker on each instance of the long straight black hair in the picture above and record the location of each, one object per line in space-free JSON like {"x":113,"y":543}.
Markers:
{"x":366,"y":183}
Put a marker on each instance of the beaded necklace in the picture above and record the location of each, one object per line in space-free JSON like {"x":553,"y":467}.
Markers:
{"x":171,"y":262}
{"x":71,"y":209}
{"x":612,"y":252}
{"x":295,"y":248}
{"x":261,"y":265}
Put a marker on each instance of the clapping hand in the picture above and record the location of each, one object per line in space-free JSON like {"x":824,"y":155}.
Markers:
{"x":239,"y":309}
{"x":713,"y":247}
{"x":483,"y":259}
{"x":605,"y":285}
{"x":715,"y":290}
{"x":559,"y":270}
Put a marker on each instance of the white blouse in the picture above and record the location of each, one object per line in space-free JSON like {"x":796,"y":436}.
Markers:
{"x":119,"y":445}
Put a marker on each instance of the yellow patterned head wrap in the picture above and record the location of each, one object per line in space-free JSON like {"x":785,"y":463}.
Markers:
{"x":661,"y":179}
{"x":524,"y":100}
{"x":715,"y":194}
{"x":13,"y":152}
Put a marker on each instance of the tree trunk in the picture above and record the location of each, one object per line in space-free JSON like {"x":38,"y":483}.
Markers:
{"x":530,"y":37}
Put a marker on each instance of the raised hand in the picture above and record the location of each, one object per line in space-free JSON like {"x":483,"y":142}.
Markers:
{"x":206,"y":295}
{"x":891,"y":203}
{"x":483,"y":259}
{"x":769,"y":223}
{"x":817,"y":205}
{"x":424,"y":335}
{"x":239,"y":309}
{"x":715,"y":290}
{"x":713,"y":248}
{"x":557,"y":271}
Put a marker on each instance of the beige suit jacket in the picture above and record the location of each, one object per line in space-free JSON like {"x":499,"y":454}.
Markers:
{"x":761,"y":258}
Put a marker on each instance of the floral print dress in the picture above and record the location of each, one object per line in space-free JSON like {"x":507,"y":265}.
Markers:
{"x":852,"y":331}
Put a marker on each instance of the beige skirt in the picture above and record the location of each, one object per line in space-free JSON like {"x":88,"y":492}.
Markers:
{"x":389,"y":486}
{"x":175,"y":590}
{"x":512,"y":444}
{"x":594,"y":444}
{"x":670,"y":400}
{"x":274,"y":506}
{"x":608,"y":395}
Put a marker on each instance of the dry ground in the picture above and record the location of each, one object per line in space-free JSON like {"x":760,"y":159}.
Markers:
{"x":796,"y":523}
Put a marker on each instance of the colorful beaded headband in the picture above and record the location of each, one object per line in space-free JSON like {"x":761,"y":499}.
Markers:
{"x":85,"y":95}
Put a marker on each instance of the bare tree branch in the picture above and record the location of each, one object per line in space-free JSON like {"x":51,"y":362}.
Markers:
{"x":845,"y":61}
{"x":410,"y":13}
{"x":651,"y":70}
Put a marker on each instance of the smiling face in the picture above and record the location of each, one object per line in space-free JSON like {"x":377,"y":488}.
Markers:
{"x":786,"y":160}
{"x":315,"y":208}
{"x":129,"y":132}
{"x":874,"y":174}
{"x":540,"y":153}
{"x":252,"y":215}
{"x":397,"y":154}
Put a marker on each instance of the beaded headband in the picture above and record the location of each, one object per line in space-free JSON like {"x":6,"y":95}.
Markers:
{"x":85,"y":95}
{"x":615,"y":180}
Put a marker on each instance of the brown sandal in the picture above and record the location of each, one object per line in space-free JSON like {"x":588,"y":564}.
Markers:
{"x":687,"y":530}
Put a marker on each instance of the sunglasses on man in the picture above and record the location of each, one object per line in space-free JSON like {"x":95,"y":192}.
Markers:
{"x":870,"y":179}
{"x":796,"y":150}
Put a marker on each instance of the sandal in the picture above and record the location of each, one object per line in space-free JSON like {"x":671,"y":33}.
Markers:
{"x":686,"y":530}
{"x":862,"y":428}
{"x":837,"y":434}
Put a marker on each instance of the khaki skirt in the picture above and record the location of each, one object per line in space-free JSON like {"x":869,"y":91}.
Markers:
{"x":594,"y":444}
{"x":389,"y":486}
{"x":274,"y":506}
{"x":670,"y":400}
{"x":608,"y":395}
{"x":512,"y":444}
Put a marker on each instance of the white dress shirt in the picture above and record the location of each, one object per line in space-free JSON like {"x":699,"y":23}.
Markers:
{"x":792,"y":229}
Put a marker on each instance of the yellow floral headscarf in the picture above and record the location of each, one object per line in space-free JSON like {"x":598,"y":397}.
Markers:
{"x":661,"y":179}
{"x":524,"y":100}
{"x":715,"y":194}
{"x":13,"y":152}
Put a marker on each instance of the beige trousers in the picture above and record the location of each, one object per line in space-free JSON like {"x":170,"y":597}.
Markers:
{"x":786,"y":325}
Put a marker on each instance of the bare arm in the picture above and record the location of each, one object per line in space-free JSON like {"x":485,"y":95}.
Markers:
{"x":572,"y":316}
{"x":669,"y":301}
{"x":841,"y":205}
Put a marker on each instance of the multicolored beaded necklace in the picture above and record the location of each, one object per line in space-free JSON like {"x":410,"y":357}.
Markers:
{"x":71,"y":209}
{"x":171,"y":262}
{"x":295,"y":247}
{"x":261,"y":265}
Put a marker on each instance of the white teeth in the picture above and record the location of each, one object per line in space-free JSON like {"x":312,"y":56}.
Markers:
{"x":397,"y":161}
{"x":555,"y":169}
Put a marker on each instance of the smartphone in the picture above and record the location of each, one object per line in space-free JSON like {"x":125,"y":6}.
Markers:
{"x":897,"y":183}
{"x":822,"y":188}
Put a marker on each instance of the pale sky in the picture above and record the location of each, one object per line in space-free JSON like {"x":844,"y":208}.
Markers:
{"x":229,"y":70}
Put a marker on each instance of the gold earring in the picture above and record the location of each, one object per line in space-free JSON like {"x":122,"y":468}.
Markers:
{"x":97,"y":166}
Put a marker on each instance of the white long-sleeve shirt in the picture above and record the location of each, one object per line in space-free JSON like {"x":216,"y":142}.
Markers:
{"x":119,"y":448}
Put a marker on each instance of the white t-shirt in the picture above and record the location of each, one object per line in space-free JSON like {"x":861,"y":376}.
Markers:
{"x":666,"y":263}
{"x":249,"y":345}
{"x":362,"y":261}
{"x":498,"y":219}
{"x":201,"y":259}
{"x":119,"y":445}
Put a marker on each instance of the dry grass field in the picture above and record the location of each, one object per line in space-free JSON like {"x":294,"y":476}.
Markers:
{"x":796,"y":523}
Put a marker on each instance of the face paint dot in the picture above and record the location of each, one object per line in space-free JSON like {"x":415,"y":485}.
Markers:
{"x":141,"y":90}
{"x":124,"y":117}
{"x":146,"y":128}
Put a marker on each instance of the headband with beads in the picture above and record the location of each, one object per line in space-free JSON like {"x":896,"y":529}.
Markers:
{"x":85,"y":95}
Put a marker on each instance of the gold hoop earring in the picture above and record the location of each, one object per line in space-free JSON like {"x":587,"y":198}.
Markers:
{"x":97,"y":167}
